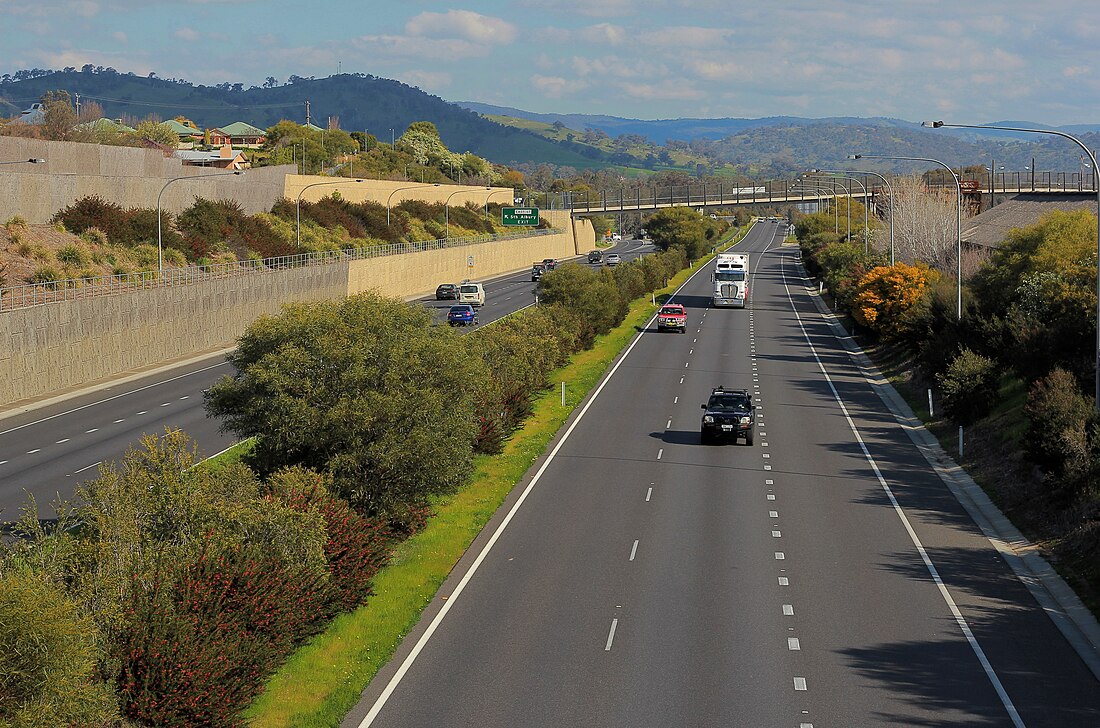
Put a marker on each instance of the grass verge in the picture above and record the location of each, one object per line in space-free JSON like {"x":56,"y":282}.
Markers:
{"x":323,"y":680}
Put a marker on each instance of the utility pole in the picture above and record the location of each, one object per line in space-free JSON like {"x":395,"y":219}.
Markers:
{"x":307,"y":113}
{"x":77,"y":97}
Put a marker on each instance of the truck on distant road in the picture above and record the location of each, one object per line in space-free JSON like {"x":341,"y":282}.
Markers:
{"x":731,"y":279}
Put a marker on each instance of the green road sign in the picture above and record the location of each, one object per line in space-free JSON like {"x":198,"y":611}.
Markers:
{"x":527,"y":216}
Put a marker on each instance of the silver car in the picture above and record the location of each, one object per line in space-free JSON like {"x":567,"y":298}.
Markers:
{"x":614,"y":259}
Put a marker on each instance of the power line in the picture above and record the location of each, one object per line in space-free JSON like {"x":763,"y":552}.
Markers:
{"x":193,"y":106}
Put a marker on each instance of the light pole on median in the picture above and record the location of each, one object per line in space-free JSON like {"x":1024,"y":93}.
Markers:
{"x":1092,"y":158}
{"x":160,"y":243}
{"x":298,"y":202}
{"x":866,"y":200}
{"x":891,"y":188}
{"x":958,"y":220}
{"x":399,"y":189}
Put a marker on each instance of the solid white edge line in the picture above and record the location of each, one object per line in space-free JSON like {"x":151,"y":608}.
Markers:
{"x":634,"y":550}
{"x":1006,"y":701}
{"x":380,"y":702}
{"x":611,"y":635}
{"x":87,"y":467}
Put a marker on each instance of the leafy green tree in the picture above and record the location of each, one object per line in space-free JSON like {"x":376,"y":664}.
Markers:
{"x":49,"y":657}
{"x":682,"y":227}
{"x":592,"y":294}
{"x":364,"y":389}
{"x":158,"y":132}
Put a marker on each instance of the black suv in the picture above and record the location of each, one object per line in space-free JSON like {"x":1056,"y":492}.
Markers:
{"x":728,"y":413}
{"x":595,"y":256}
{"x":537,"y":270}
{"x":446,"y":292}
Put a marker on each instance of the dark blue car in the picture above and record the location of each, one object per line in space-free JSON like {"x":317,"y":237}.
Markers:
{"x":463,"y":315}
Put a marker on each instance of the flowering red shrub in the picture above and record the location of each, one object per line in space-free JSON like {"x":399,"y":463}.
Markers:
{"x":200,"y":643}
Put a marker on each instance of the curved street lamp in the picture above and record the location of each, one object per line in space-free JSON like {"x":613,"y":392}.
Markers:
{"x":298,"y":202}
{"x":160,"y":244}
{"x":836,"y":203}
{"x":1092,"y":158}
{"x":499,"y":190}
{"x":399,"y":189}
{"x":891,"y":188}
{"x":845,"y":174}
{"x":958,"y":221}
{"x":34,"y":160}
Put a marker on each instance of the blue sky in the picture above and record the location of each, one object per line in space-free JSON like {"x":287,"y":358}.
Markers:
{"x":966,"y":61}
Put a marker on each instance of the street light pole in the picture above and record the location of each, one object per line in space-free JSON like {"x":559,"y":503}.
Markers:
{"x":160,"y":244}
{"x":399,"y":189}
{"x":836,"y":205}
{"x":26,"y":161}
{"x":1092,"y":158}
{"x":866,"y":199}
{"x":298,"y":203}
{"x":891,"y":188}
{"x":958,"y":220}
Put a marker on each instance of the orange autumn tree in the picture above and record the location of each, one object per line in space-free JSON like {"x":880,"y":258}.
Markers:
{"x":887,"y":295}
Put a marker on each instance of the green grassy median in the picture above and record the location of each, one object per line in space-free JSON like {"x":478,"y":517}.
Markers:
{"x":323,"y":680}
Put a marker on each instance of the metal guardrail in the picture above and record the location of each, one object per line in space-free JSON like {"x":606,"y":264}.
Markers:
{"x":35,"y":294}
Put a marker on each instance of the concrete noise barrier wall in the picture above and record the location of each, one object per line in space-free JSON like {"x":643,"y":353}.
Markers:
{"x":57,"y":346}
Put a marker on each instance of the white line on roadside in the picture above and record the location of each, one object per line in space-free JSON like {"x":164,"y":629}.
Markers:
{"x":61,"y":441}
{"x":660,"y":453}
{"x":634,"y":550}
{"x":1006,"y":701}
{"x":88,"y":432}
{"x":87,"y":467}
{"x":771,"y":497}
{"x":32,"y":452}
{"x":648,"y":493}
{"x":675,"y":400}
{"x":784,"y":581}
{"x":143,"y":412}
{"x":780,"y":556}
{"x":773,"y":514}
{"x":3,"y":461}
{"x":800,"y":683}
{"x":793,"y":644}
{"x":668,"y":425}
{"x":117,"y":421}
{"x":777,"y":534}
{"x":788,"y":610}
{"x":611,"y":635}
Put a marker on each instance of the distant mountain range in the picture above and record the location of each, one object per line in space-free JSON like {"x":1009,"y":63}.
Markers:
{"x":772,"y":146}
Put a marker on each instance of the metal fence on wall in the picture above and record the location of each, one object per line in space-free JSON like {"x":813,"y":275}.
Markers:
{"x":34,"y":294}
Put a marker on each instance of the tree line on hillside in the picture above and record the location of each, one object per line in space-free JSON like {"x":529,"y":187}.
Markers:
{"x":168,"y":591}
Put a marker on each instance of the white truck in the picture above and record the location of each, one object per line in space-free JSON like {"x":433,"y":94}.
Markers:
{"x":731,"y":279}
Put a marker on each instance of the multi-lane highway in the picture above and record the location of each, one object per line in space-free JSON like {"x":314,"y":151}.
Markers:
{"x":49,"y":450}
{"x":823,"y":577}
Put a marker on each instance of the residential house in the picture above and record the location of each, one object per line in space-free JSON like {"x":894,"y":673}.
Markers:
{"x":238,"y":134}
{"x":189,"y":135}
{"x":107,"y":126}
{"x":36,"y":114}
{"x":224,"y":158}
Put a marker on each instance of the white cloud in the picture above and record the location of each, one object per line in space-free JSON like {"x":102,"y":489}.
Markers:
{"x":186,"y":34}
{"x":667,"y":90}
{"x":120,"y":37}
{"x":1075,"y":71}
{"x":427,"y":80}
{"x":551,"y":86}
{"x":465,"y":24}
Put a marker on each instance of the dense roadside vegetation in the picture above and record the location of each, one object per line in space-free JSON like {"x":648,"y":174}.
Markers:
{"x":166,"y":593}
{"x":1016,"y":371}
{"x":111,"y":240}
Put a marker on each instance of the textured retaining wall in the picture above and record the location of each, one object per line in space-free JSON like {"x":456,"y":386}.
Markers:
{"x":47,"y":348}
{"x":128,"y":176}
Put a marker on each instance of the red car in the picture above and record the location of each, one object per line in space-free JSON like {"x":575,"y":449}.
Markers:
{"x":672,"y":316}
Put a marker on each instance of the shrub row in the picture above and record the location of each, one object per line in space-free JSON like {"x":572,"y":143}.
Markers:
{"x":187,"y":586}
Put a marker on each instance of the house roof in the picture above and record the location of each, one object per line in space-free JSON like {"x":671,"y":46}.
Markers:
{"x":239,"y":128}
{"x":200,"y":157}
{"x":106,"y":125}
{"x":313,"y":127}
{"x":991,"y":227}
{"x":183,"y":129}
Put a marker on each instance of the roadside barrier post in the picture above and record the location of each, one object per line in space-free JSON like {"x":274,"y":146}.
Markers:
{"x":931,"y":412}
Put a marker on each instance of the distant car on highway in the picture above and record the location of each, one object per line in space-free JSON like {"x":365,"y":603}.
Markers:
{"x":614,"y":259}
{"x":446,"y":292}
{"x":462,"y":315}
{"x":537,"y":270}
{"x":550,"y":263}
{"x":472,"y":293}
{"x":595,"y":256}
{"x":729,"y":413}
{"x":672,"y":316}
{"x":616,"y":236}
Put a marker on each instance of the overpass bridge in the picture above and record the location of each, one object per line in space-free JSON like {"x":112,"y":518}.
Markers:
{"x":787,"y":191}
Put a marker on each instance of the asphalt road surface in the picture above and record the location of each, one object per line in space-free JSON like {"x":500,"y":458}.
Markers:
{"x":823,"y":577}
{"x":47,"y":452}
